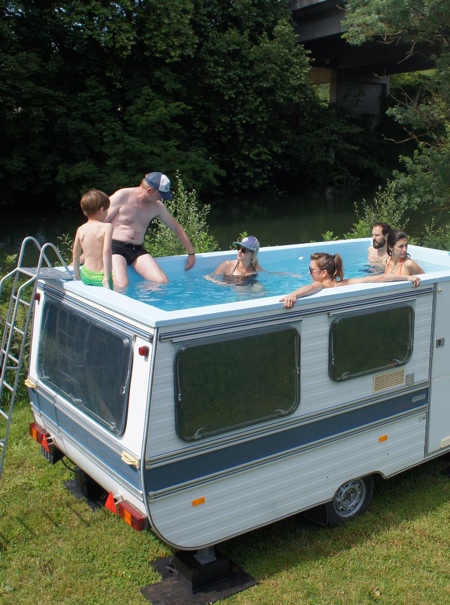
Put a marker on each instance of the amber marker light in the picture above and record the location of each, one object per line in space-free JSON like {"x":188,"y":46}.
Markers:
{"x":382,"y":438}
{"x":198,"y":501}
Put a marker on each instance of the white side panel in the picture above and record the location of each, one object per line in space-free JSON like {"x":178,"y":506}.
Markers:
{"x":264,"y":494}
{"x":439,"y":429}
{"x":318,"y":392}
{"x":439,"y":425}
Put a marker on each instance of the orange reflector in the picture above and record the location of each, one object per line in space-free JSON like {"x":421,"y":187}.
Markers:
{"x":45,"y":443}
{"x":110,"y":504}
{"x":198,"y":501}
{"x":131,"y":516}
{"x":382,"y":438}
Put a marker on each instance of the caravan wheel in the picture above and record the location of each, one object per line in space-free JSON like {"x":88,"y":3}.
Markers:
{"x":350,"y":500}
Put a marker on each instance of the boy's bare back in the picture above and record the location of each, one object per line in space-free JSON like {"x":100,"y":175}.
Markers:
{"x":93,"y":237}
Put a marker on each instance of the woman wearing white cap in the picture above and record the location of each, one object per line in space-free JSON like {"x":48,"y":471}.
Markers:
{"x":244,"y":270}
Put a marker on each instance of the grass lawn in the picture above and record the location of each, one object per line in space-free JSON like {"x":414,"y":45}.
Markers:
{"x":56,"y":550}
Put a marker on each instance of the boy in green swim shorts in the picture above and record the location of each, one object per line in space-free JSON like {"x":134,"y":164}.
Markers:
{"x":94,"y":240}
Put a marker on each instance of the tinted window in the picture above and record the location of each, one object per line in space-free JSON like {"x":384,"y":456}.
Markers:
{"x":87,"y":363}
{"x":235,"y":382}
{"x":369,"y":341}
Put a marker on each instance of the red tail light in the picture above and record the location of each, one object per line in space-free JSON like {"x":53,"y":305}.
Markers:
{"x":131,"y":516}
{"x":38,"y":434}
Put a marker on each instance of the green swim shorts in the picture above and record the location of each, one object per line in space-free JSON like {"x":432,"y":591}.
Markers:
{"x":93,"y":278}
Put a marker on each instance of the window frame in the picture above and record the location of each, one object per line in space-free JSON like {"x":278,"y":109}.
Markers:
{"x":119,"y":410}
{"x":224,"y":343}
{"x":394,"y":363}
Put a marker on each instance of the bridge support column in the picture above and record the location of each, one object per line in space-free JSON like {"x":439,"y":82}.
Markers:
{"x":362,"y":93}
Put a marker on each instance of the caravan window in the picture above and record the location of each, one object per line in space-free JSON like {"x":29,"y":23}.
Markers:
{"x":363,"y":342}
{"x":87,"y":363}
{"x":236,"y":381}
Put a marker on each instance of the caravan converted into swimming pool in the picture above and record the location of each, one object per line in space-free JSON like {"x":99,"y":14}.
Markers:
{"x":212,"y":421}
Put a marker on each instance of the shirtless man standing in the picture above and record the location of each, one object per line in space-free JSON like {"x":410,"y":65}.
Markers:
{"x":130,"y":213}
{"x":377,"y":252}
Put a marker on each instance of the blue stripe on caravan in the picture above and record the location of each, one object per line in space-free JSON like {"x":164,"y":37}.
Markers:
{"x":97,"y":449}
{"x":195,"y":468}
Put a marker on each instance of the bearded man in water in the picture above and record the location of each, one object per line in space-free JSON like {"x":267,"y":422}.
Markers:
{"x":377,"y":252}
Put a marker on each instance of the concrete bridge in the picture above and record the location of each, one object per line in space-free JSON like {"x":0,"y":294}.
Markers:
{"x":357,"y":75}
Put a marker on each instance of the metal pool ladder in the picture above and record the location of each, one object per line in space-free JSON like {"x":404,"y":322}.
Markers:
{"x":17,"y":323}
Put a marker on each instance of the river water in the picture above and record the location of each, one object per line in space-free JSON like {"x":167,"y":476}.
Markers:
{"x":285,"y":220}
{"x":291,"y":219}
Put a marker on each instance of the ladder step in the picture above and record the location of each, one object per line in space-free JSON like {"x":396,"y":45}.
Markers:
{"x":24,"y":302}
{"x":4,"y":414}
{"x":8,"y":386}
{"x":14,"y":328}
{"x":47,"y":272}
{"x":14,"y":359}
{"x":21,"y":301}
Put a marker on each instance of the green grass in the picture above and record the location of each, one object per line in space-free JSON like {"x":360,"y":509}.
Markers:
{"x":54,"y":549}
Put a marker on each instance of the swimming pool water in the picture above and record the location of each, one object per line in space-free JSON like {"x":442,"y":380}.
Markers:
{"x":189,"y":289}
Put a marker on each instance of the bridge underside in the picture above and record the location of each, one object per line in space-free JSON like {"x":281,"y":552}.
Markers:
{"x":376,"y":57}
{"x":356,"y":74}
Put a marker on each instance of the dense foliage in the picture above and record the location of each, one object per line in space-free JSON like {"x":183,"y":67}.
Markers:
{"x":95,"y":94}
{"x":384,"y":208}
{"x":423,"y":106}
{"x":192,"y":216}
{"x":98,"y":93}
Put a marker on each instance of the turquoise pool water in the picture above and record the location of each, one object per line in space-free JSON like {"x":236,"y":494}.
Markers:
{"x":189,"y":289}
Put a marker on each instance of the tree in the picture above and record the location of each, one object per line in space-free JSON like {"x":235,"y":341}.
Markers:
{"x":98,"y":93}
{"x":424,"y":112}
{"x":385,"y":208}
{"x":192,"y":216}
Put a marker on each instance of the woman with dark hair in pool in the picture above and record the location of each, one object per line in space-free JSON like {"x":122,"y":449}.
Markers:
{"x":398,"y":261}
{"x":327,"y":271}
{"x":244,"y":270}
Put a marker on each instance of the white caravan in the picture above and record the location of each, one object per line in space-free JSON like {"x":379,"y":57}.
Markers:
{"x":210,"y":421}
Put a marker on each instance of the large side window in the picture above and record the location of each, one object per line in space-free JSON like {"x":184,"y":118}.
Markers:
{"x":87,"y":363}
{"x":368,"y":341}
{"x":236,"y":381}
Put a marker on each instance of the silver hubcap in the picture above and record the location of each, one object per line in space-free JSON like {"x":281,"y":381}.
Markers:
{"x":350,"y":497}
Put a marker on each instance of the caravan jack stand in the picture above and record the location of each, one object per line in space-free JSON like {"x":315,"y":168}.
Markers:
{"x":196,"y":578}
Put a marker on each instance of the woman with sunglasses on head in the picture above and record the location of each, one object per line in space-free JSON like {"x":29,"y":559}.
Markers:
{"x":244,"y":270}
{"x":327,"y":271}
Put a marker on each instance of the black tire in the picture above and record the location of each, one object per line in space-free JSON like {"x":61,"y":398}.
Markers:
{"x":351,"y":500}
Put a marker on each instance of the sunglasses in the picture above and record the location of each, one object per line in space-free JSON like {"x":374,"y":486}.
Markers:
{"x":242,"y":249}
{"x":311,"y":269}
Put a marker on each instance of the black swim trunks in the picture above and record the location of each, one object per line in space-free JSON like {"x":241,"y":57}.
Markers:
{"x":130,"y":252}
